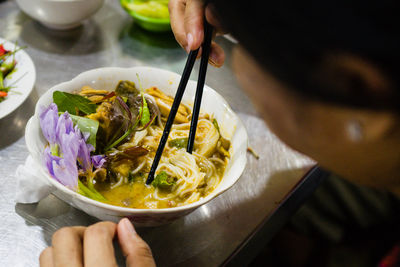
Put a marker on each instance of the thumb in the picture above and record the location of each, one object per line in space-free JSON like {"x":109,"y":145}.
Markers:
{"x":136,"y":251}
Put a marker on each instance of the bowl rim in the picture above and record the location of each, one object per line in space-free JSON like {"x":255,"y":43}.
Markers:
{"x":59,"y":186}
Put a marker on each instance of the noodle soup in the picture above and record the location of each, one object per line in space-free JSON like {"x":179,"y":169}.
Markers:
{"x":121,"y":130}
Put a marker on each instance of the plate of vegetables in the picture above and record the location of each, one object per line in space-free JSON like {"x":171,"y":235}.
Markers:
{"x":17,"y":76}
{"x":152,"y":15}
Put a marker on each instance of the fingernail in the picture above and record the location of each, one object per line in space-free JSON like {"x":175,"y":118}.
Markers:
{"x":128,"y":226}
{"x":213,"y":59}
{"x":189,"y":39}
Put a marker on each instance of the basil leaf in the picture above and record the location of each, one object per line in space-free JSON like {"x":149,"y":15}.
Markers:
{"x":179,"y":142}
{"x":163,"y":180}
{"x":87,"y":125}
{"x":72,"y":103}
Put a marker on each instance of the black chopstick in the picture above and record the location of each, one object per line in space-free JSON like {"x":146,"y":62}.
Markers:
{"x":200,"y":85}
{"x":178,"y":98}
{"x":171,"y":117}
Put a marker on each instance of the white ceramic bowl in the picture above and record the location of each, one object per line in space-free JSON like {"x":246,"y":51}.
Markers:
{"x":60,"y":14}
{"x":107,"y":78}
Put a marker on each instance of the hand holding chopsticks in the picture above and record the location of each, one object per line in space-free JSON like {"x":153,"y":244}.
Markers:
{"x":178,"y":98}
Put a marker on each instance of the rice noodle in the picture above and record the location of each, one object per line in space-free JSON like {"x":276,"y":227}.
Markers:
{"x":196,"y":175}
{"x":120,"y":181}
{"x":190,"y":170}
{"x":138,"y":168}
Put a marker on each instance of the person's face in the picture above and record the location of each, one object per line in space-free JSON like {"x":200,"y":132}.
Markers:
{"x":360,"y":145}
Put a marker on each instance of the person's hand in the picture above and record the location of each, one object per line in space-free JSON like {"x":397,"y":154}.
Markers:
{"x":93,"y":246}
{"x":187,"y":24}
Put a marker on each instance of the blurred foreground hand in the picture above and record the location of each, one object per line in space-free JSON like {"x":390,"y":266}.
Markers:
{"x":93,"y":246}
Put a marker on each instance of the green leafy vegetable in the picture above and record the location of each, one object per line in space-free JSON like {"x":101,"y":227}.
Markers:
{"x":91,"y":193}
{"x":179,"y":142}
{"x":1,"y":81}
{"x":73,"y":103}
{"x":163,"y":180}
{"x":216,"y":125}
{"x":87,"y":125}
{"x":144,"y":109}
{"x":126,"y":89}
{"x":146,"y":112}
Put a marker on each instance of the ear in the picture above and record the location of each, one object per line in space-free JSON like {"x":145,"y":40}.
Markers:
{"x":352,"y":75}
{"x":372,"y":125}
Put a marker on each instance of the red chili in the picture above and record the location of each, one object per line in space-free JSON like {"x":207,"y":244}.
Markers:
{"x":2,"y":50}
{"x":3,"y":94}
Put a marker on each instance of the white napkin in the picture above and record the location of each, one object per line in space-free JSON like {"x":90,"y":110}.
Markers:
{"x":31,"y":186}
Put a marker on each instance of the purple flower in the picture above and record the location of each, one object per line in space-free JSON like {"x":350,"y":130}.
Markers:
{"x":68,"y":145}
{"x":48,"y":122}
{"x":62,"y":170}
{"x":84,"y":155}
{"x":66,"y":172}
{"x":64,"y":125}
{"x":48,"y":160}
{"x":98,"y":161}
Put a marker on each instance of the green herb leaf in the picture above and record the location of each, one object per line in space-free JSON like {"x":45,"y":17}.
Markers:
{"x":146,"y":112}
{"x":216,"y":125}
{"x":87,"y":125}
{"x":72,"y":103}
{"x":163,"y":180}
{"x":179,"y":142}
{"x":1,"y":81}
{"x":91,"y":193}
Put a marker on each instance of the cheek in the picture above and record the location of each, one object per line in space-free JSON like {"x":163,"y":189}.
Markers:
{"x":277,"y":108}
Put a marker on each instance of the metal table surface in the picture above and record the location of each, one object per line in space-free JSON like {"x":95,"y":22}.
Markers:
{"x":206,"y":237}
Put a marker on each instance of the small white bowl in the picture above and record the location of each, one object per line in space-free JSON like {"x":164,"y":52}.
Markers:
{"x":60,"y":14}
{"x":107,"y":78}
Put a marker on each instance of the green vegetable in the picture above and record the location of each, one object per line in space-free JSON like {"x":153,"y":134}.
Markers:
{"x":216,"y":125}
{"x":145,"y":118}
{"x":179,"y":142}
{"x":1,"y":81}
{"x":126,"y":89}
{"x":87,"y":125}
{"x":146,"y":112}
{"x":7,"y":67}
{"x":73,"y":103}
{"x":91,"y":193}
{"x":163,"y":180}
{"x":149,"y":8}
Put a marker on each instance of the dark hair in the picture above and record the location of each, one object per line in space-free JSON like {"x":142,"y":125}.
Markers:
{"x":292,"y":38}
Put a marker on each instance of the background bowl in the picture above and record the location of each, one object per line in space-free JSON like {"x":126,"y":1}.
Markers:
{"x":60,"y":14}
{"x":22,"y":80}
{"x":107,"y":78}
{"x":148,"y":23}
